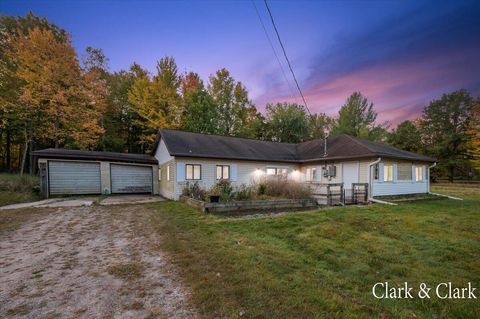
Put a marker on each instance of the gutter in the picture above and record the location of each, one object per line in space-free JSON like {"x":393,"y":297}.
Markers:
{"x":436,"y":194}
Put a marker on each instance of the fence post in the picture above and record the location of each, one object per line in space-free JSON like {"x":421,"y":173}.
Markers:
{"x":342,"y":194}
{"x":329,"y":199}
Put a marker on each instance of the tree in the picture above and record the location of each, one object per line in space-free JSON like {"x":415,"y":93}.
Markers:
{"x":56,"y":105}
{"x":157,"y":100}
{"x":122,"y":133}
{"x":406,"y":137}
{"x":474,"y":133}
{"x":444,"y":126}
{"x":201,"y":113}
{"x":12,"y":126}
{"x":320,"y":125}
{"x":356,"y":117}
{"x":231,"y":99}
{"x":287,"y":123}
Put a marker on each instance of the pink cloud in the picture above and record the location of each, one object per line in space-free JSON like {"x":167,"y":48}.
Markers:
{"x":399,"y":89}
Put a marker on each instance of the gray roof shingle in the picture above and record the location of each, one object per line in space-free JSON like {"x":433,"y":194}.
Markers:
{"x":188,"y":144}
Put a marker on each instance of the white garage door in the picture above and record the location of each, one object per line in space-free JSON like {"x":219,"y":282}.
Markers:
{"x":131,"y":179}
{"x":66,"y":178}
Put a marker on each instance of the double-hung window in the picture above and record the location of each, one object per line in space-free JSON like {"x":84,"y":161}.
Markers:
{"x":418,"y":173}
{"x":388,"y":173}
{"x":193,"y":172}
{"x":311,"y":174}
{"x":404,"y":172}
{"x":223,"y":172}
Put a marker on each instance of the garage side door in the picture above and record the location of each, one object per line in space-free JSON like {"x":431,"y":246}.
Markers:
{"x":131,"y":179}
{"x":67,"y":178}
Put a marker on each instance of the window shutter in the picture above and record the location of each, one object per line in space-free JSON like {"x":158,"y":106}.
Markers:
{"x":394,"y":173}
{"x":233,"y":172}
{"x":424,"y":173}
{"x":180,"y":172}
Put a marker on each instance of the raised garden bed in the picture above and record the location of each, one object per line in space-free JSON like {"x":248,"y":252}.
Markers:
{"x":251,"y":206}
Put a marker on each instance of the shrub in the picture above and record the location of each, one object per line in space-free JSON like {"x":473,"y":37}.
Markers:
{"x":287,"y":189}
{"x":262,"y":188}
{"x":222,"y":188}
{"x":194,"y":190}
{"x":244,"y":192}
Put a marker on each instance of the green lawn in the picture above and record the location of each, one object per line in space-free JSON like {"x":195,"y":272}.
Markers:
{"x":17,"y":189}
{"x":323,"y":264}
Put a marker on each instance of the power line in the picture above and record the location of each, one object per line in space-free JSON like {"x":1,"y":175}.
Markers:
{"x":274,"y":51}
{"x":286,"y":57}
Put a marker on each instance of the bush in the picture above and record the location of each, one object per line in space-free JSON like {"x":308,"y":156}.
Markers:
{"x":194,"y":190}
{"x":224,"y":189}
{"x":244,"y":192}
{"x":286,"y":189}
{"x":262,"y":188}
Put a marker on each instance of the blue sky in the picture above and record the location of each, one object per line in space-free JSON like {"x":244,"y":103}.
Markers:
{"x":400,"y":54}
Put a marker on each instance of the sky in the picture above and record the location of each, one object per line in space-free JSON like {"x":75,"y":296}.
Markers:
{"x":399,"y":54}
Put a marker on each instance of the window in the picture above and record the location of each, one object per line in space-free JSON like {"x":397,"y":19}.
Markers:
{"x":404,"y":172}
{"x":311,"y":174}
{"x":388,"y":173}
{"x":168,"y":172}
{"x":159,"y":174}
{"x":330,"y":171}
{"x":419,"y":173}
{"x":276,"y":171}
{"x":376,"y":172}
{"x":223,"y":172}
{"x":193,"y":172}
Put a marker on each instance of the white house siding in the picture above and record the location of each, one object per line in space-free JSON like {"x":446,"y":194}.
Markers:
{"x":400,"y":187}
{"x":162,"y":154}
{"x":247,"y":172}
{"x":363,"y":170}
{"x":167,"y":187}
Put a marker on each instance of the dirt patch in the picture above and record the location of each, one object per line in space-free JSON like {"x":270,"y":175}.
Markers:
{"x":89,"y":262}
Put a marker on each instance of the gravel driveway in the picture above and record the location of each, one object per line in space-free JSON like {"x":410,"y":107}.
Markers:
{"x":89,"y":262}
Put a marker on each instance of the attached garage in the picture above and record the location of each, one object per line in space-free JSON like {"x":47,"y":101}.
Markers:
{"x":74,"y":178}
{"x":72,"y":172}
{"x":130,"y":179}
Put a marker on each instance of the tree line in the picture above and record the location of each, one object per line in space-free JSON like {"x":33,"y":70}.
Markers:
{"x":49,"y":97}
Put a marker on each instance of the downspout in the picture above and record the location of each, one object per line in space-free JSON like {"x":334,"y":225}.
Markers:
{"x":428,"y":179}
{"x":370,"y":178}
{"x":436,"y":194}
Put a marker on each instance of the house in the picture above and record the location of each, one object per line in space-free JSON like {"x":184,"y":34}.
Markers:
{"x":180,"y":157}
{"x":206,"y":159}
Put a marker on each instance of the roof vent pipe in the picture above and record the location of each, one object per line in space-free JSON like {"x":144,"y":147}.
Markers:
{"x":325,"y":145}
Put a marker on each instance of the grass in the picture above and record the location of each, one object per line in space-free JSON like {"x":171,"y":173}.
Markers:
{"x":13,"y":219}
{"x":323,"y":264}
{"x":127,"y":271}
{"x":17,"y":189}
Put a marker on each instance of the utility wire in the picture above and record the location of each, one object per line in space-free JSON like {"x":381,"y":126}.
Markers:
{"x":286,"y":57}
{"x":274,"y":51}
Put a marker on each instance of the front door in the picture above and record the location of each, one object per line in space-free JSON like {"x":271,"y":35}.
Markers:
{"x":350,"y":174}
